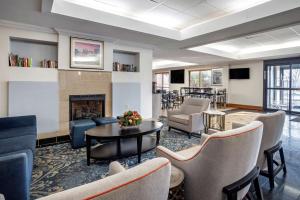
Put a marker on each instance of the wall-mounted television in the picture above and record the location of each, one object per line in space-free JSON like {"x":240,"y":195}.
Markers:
{"x":177,"y":76}
{"x":239,"y":73}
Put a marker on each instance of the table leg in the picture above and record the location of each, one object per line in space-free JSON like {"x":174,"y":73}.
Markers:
{"x":223,"y":123}
{"x":204,"y":122}
{"x":88,"y":150}
{"x":209,"y":123}
{"x":139,"y":147}
{"x":119,"y":147}
{"x":157,"y":137}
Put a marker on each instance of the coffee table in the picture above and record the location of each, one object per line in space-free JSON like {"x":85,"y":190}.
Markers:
{"x":122,"y":142}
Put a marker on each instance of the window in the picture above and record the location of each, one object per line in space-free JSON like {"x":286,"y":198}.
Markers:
{"x":162,"y":81}
{"x":200,"y":78}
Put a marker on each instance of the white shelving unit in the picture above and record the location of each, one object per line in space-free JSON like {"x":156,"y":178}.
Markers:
{"x":128,"y":61}
{"x":35,"y":49}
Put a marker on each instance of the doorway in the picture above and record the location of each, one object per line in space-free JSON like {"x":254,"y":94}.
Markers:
{"x":282,"y":85}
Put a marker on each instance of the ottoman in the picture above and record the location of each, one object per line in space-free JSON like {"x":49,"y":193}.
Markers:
{"x":105,"y":120}
{"x":77,"y":134}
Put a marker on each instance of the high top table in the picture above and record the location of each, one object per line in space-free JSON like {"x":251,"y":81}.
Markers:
{"x":124,"y":142}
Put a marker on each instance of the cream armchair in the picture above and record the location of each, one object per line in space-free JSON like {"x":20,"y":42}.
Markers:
{"x":147,"y":181}
{"x":189,"y":117}
{"x":222,"y":159}
{"x":270,"y":144}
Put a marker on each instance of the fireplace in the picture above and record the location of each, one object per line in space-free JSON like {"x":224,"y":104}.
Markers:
{"x":86,"y":106}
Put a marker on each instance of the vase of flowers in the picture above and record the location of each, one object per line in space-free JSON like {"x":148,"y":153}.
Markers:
{"x":130,"y":119}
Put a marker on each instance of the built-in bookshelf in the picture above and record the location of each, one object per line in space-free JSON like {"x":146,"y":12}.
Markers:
{"x":28,"y":53}
{"x":126,"y":61}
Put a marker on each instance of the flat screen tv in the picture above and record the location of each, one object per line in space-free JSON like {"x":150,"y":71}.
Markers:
{"x":177,"y":76}
{"x":239,"y":73}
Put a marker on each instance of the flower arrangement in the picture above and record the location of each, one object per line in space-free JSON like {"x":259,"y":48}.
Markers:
{"x":130,"y":118}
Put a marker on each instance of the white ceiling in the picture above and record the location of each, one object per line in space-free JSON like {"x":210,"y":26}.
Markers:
{"x":174,"y":19}
{"x":256,"y":45}
{"x":167,"y":44}
{"x":173,"y":14}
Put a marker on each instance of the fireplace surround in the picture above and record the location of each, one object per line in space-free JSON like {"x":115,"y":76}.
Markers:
{"x":86,"y":106}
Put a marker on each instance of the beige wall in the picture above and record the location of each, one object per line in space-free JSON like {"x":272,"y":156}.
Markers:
{"x":244,"y":92}
{"x":186,"y":76}
{"x":248,"y":91}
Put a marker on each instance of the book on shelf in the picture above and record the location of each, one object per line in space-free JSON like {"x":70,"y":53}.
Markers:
{"x":16,"y":61}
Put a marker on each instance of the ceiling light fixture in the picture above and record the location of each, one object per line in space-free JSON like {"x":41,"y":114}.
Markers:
{"x":222,"y":47}
{"x":235,"y":52}
{"x":264,"y":48}
{"x":170,"y":63}
{"x":241,"y":5}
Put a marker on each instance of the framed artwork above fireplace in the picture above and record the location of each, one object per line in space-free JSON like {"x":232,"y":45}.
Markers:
{"x":86,"y":54}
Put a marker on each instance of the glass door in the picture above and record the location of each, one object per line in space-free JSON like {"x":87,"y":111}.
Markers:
{"x":282,"y":85}
{"x":295,"y":88}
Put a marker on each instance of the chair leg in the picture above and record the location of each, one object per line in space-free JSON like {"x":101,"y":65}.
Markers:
{"x":169,"y":128}
{"x":282,"y":160}
{"x":251,"y":178}
{"x":190,"y":134}
{"x":232,"y":196}
{"x":257,"y":189}
{"x":249,"y":196}
{"x":270,"y":169}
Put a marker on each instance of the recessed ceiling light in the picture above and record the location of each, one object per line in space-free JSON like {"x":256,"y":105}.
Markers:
{"x":245,"y":4}
{"x":235,"y":52}
{"x":263,"y":48}
{"x":170,"y":63}
{"x":222,"y":47}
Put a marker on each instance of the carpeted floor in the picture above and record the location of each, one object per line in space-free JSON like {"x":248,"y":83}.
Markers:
{"x":59,"y":167}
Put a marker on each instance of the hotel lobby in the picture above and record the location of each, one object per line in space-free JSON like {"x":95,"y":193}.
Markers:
{"x":149,"y":99}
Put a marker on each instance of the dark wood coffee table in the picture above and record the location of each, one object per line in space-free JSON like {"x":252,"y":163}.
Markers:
{"x":123,"y":142}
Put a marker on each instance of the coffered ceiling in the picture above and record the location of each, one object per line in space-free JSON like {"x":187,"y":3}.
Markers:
{"x":172,"y":14}
{"x":256,"y":45}
{"x":170,"y":27}
{"x":174,"y":19}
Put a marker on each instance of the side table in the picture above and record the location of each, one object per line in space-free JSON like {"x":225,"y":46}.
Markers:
{"x":213,"y":119}
{"x":176,"y":191}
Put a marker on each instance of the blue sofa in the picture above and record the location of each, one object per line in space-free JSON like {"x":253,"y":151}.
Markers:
{"x":17,"y":148}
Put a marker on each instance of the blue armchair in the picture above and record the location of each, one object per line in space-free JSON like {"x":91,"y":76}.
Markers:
{"x":17,"y":148}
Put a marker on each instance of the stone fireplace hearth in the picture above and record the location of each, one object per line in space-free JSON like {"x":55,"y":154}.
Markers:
{"x":89,"y":88}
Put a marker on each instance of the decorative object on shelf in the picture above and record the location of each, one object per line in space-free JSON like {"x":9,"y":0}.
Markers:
{"x":130,"y":119}
{"x":16,"y":61}
{"x":49,"y":64}
{"x":124,"y":67}
{"x":217,"y":76}
{"x":12,"y":59}
{"x":86,"y":54}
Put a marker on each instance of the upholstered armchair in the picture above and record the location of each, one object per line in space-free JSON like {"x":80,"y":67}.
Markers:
{"x":189,"y":117}
{"x":147,"y":181}
{"x":221,"y":160}
{"x":270,"y":144}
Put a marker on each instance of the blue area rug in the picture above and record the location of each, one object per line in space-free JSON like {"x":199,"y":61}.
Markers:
{"x":60,"y":167}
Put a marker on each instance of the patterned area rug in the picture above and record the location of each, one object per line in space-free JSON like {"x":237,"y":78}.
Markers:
{"x":59,"y":167}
